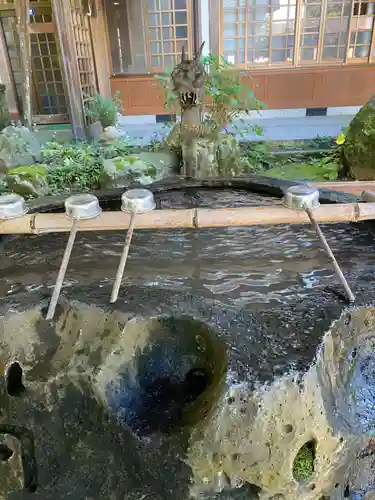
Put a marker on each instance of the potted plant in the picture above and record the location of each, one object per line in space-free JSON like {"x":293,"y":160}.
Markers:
{"x":109,"y":109}
{"x":92,"y":112}
{"x":101,"y":113}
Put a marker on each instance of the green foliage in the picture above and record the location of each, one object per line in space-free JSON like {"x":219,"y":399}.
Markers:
{"x":303,"y":465}
{"x":29,"y":171}
{"x":358,"y":149}
{"x":77,"y":166}
{"x":230,"y":96}
{"x":330,"y":167}
{"x":302,"y":171}
{"x":171,"y":99}
{"x":100,"y":108}
{"x":260,"y":155}
{"x":69,"y":178}
{"x":297,"y":166}
{"x":321,"y":142}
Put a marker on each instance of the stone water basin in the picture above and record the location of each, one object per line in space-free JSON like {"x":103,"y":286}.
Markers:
{"x":228,"y":351}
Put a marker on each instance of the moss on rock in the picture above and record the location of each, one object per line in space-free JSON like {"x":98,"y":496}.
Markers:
{"x":303,"y":465}
{"x":358,"y":149}
{"x":28,"y":180}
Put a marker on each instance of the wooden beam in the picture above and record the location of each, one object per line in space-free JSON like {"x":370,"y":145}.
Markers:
{"x":322,"y":28}
{"x":190,"y":218}
{"x":348,"y":32}
{"x":352,"y":187}
{"x":42,"y":28}
{"x":7,"y":76}
{"x":23,"y":22}
{"x":372,"y":44}
{"x":63,"y":20}
{"x":34,"y":5}
{"x":50,"y":119}
{"x":297,"y":31}
{"x":100,"y":50}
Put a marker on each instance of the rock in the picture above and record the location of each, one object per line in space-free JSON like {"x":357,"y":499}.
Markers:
{"x":231,"y":161}
{"x":94,"y":374}
{"x":28,"y":180}
{"x":110,"y":134}
{"x":220,"y":157}
{"x":18,"y":146}
{"x":300,"y":435}
{"x":118,"y":172}
{"x":217,"y":155}
{"x":208,"y":165}
{"x":145,"y":168}
{"x":162,"y":160}
{"x":173,"y":139}
{"x":358,"y":150}
{"x":94,"y":130}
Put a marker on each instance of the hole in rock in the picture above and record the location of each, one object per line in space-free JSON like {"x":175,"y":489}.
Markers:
{"x":14,"y":377}
{"x":254,"y":489}
{"x":172,"y":380}
{"x":247,"y":491}
{"x":5,"y":452}
{"x":303,"y":465}
{"x":346,"y":491}
{"x":288,"y":428}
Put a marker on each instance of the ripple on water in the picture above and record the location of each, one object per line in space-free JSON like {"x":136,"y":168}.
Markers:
{"x":239,"y":266}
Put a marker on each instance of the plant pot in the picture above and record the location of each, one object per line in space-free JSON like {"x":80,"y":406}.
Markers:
{"x":94,"y":130}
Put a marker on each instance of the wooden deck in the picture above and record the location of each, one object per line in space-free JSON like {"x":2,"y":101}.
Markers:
{"x":352,"y":187}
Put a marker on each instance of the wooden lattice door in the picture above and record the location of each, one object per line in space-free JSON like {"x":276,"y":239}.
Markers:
{"x":83,"y":44}
{"x":47,"y":86}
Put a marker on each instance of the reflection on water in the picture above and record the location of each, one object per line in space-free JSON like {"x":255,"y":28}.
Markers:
{"x":242,"y":267}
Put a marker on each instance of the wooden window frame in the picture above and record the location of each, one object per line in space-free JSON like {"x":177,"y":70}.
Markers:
{"x":190,"y":19}
{"x":193,"y":38}
{"x":217,"y":39}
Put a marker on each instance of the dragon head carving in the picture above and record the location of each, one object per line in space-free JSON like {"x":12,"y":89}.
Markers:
{"x":188,"y":80}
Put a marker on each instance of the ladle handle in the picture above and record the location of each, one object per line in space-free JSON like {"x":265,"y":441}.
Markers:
{"x":339,"y":273}
{"x":62,"y":271}
{"x":124,"y":258}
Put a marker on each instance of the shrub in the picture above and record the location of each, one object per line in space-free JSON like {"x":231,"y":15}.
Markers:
{"x":100,"y":108}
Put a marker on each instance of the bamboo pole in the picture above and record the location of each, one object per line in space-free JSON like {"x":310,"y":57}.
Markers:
{"x":124,"y":258}
{"x":62,"y":271}
{"x":190,"y":218}
{"x":332,"y":258}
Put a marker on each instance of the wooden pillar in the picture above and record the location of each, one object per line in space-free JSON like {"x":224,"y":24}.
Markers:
{"x":63,"y":20}
{"x":100,"y":49}
{"x":23,"y":22}
{"x":7,"y":78}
